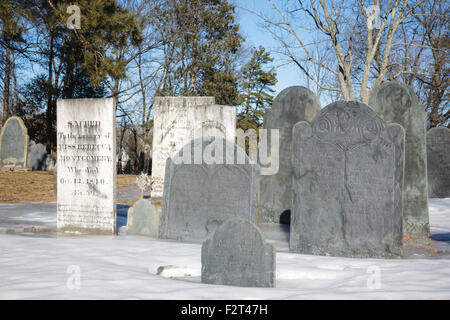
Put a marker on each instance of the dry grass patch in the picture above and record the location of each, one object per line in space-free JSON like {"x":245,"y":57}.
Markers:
{"x":126,"y":180}
{"x":37,"y":186}
{"x":422,"y":244}
{"x":26,"y":186}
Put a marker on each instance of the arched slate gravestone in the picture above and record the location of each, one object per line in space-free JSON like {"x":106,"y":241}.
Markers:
{"x":438,"y":166}
{"x":238,"y":255}
{"x":347,"y":183}
{"x":291,"y":105}
{"x":14,"y":144}
{"x":199,"y":197}
{"x":395,"y":102}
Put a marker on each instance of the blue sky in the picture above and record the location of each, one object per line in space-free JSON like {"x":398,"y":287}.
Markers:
{"x":250,"y":26}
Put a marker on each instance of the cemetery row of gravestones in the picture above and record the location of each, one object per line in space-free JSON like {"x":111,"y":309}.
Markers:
{"x":345,"y":173}
{"x":352,"y":178}
{"x":17,"y":152}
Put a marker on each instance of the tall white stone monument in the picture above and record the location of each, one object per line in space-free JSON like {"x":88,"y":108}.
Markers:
{"x":178,"y":120}
{"x":86,"y":139}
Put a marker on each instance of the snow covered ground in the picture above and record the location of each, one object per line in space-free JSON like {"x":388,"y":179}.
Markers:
{"x":35,"y":263}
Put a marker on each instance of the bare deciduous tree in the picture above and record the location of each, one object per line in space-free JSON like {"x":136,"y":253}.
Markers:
{"x":356,"y":66}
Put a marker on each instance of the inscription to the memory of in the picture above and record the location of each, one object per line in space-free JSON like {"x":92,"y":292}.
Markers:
{"x":86,"y":166}
{"x":177,"y":120}
{"x":438,"y":158}
{"x":348,"y":174}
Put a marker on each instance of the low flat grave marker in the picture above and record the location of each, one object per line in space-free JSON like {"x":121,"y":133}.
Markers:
{"x":144,"y":218}
{"x":238,"y":255}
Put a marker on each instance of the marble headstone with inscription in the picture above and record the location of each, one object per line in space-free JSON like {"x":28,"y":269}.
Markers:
{"x":395,"y":102}
{"x":178,"y":120}
{"x":291,"y":105}
{"x":438,"y":157}
{"x":238,"y":255}
{"x":14,"y":144}
{"x":86,"y":176}
{"x":348,"y":174}
{"x":207,"y":182}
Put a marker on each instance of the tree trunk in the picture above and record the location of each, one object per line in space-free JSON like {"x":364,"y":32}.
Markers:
{"x":50,"y":112}
{"x":7,"y":83}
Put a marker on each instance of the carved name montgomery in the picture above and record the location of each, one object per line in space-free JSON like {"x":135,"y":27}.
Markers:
{"x":85,"y":158}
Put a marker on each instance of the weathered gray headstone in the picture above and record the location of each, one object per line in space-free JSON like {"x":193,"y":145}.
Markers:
{"x":50,"y":162}
{"x":238,"y":255}
{"x":202,"y":192}
{"x":348,"y":174}
{"x":86,"y":175}
{"x":438,"y":166}
{"x":144,"y":218}
{"x":14,"y":144}
{"x":37,"y":155}
{"x":38,"y":158}
{"x":291,"y":105}
{"x":395,"y":102}
{"x":178,"y":120}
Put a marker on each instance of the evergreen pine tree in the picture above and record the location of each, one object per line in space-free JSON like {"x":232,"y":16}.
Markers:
{"x":205,"y":38}
{"x":255,"y":89}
